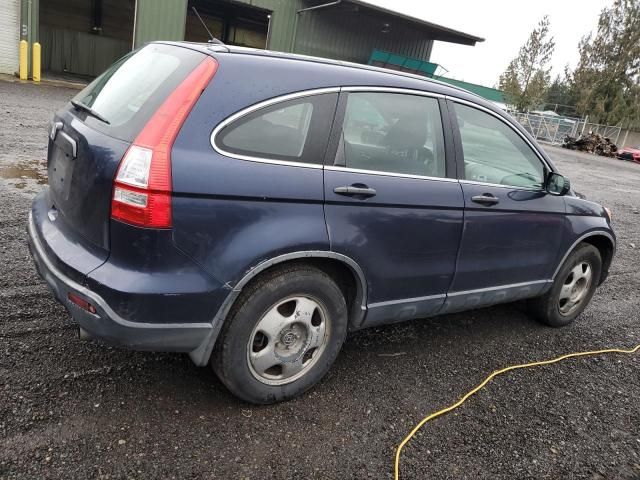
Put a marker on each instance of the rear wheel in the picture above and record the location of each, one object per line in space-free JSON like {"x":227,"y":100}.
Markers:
{"x":283,"y":335}
{"x":572,"y":288}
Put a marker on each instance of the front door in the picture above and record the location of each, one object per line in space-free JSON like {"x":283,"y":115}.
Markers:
{"x":392,"y":205}
{"x":513,"y":228}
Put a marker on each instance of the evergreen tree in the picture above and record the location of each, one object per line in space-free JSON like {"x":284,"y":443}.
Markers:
{"x":607,"y":78}
{"x":560,"y":96}
{"x":526,"y":79}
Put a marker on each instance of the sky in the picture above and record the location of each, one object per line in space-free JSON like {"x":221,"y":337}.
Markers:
{"x":505,"y":25}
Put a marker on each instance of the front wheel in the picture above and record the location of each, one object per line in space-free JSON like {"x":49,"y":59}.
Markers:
{"x":283,"y":335}
{"x":572,"y":288}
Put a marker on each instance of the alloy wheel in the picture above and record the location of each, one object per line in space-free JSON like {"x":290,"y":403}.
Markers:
{"x":575,"y":288}
{"x":288,"y":340}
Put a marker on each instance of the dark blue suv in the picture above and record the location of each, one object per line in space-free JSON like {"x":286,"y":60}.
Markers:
{"x":250,"y":208}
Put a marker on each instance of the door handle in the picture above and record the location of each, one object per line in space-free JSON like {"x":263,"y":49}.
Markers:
{"x":355,"y":191}
{"x":485,"y":199}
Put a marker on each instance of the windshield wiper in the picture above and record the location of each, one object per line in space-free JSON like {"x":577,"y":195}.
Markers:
{"x":89,"y":110}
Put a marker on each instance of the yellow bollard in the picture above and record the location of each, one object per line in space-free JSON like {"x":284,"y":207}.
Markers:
{"x":35,"y":63}
{"x":24,"y":58}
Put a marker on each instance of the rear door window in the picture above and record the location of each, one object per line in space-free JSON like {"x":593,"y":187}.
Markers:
{"x":393,"y":132}
{"x":131,"y":90}
{"x":293,"y":130}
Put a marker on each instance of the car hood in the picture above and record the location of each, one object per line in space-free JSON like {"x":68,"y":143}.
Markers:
{"x":579,"y":194}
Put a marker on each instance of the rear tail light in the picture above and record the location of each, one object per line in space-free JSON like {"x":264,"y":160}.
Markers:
{"x":142,"y":187}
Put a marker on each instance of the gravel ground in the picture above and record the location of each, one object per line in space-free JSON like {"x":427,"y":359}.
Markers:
{"x":74,"y":409}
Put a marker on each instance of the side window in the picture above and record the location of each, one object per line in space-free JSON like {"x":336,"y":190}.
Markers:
{"x":494,"y":153}
{"x":293,"y":130}
{"x":392,"y":132}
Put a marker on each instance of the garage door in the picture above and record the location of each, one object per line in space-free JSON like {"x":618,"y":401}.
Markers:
{"x":9,"y":35}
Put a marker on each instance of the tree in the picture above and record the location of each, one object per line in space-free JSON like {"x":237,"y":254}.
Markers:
{"x":526,"y":79}
{"x":607,"y":77}
{"x":560,"y":96}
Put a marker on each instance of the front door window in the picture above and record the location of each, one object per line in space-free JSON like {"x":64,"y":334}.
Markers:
{"x":495,"y":153}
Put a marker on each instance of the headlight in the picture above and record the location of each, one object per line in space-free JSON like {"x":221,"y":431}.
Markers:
{"x":609,"y":214}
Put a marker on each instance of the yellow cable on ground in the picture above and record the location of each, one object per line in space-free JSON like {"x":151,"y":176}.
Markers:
{"x":487,"y":380}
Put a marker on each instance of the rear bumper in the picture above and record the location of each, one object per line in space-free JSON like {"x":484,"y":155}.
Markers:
{"x":107,"y":325}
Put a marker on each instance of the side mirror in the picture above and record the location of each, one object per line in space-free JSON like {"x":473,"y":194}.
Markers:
{"x":558,"y":185}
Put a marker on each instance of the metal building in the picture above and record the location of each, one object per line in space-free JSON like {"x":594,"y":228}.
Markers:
{"x":82,"y":37}
{"x":340,"y":29}
{"x":9,"y":35}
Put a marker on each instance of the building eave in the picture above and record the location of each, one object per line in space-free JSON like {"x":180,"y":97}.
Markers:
{"x":437,"y":32}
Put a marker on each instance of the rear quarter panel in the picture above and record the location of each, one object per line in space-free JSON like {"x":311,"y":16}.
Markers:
{"x":231,"y":214}
{"x":248,"y":212}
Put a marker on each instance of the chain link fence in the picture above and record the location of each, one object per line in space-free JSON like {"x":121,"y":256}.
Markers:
{"x":554,"y":129}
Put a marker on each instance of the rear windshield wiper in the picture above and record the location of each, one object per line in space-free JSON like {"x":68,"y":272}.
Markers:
{"x":89,"y":110}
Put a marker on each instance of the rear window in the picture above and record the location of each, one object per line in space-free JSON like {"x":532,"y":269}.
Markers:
{"x":294,"y":130}
{"x":131,"y":90}
{"x":275,"y":134}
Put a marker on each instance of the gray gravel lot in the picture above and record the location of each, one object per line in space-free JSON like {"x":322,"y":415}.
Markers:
{"x":74,"y":409}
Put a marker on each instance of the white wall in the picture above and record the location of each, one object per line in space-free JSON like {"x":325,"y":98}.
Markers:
{"x":9,"y":35}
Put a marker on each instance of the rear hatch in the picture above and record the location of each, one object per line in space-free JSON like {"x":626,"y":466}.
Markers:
{"x":89,"y":137}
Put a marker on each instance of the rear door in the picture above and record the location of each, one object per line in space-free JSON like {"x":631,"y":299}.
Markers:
{"x":513,"y":228}
{"x":392,"y":201}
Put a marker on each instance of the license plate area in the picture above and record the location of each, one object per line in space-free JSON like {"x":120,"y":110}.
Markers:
{"x":61,"y":168}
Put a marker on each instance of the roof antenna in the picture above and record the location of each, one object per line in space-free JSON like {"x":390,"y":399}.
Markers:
{"x":212,"y":39}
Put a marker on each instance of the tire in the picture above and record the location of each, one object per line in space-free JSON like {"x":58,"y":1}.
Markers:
{"x":572,"y":288}
{"x":294,"y":317}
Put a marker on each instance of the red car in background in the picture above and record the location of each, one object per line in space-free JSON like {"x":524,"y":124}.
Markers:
{"x":630,"y":153}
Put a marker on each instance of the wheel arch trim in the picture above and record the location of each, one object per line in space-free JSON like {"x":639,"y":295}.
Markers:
{"x":201,"y":355}
{"x":593,"y":233}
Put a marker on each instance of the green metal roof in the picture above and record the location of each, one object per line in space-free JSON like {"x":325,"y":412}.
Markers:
{"x":485,"y":92}
{"x":394,"y":61}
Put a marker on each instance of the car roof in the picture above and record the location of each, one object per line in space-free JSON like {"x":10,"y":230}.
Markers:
{"x":383,"y":75}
